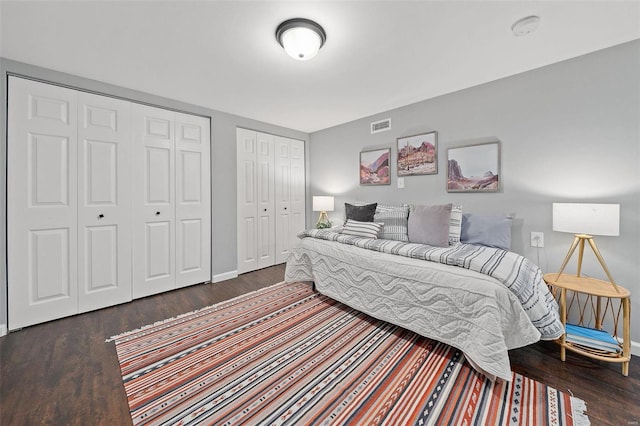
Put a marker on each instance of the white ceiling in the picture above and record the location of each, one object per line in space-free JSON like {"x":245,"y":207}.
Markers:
{"x":378,"y":55}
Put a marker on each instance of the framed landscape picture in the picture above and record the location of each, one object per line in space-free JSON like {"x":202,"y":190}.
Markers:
{"x":418,"y":154}
{"x":374,"y":167}
{"x":474,"y":168}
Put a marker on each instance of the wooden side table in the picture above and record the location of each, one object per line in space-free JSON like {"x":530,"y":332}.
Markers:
{"x":595,"y":292}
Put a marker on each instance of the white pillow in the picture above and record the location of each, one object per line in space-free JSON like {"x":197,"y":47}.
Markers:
{"x":455,"y":225}
{"x":362,"y":229}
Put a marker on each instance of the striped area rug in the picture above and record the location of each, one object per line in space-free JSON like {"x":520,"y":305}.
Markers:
{"x":288,"y":355}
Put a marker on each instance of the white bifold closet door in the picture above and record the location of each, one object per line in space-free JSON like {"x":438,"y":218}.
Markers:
{"x":171,"y":200}
{"x":247,"y":203}
{"x":255,"y":173}
{"x":265,"y":190}
{"x":289,"y":194}
{"x":271,"y":198}
{"x":107,"y":200}
{"x":193,"y":200}
{"x":104,"y":200}
{"x":68,"y":201}
{"x":298,"y":191}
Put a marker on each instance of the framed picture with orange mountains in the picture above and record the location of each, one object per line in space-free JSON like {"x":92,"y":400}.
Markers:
{"x":474,"y":168}
{"x":374,"y":167}
{"x":418,"y":154}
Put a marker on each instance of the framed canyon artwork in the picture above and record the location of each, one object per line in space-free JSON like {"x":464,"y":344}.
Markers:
{"x":474,"y":168}
{"x":418,"y":154}
{"x":374,"y":167}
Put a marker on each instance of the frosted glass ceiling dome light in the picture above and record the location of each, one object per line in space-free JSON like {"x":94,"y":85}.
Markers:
{"x":301,"y":38}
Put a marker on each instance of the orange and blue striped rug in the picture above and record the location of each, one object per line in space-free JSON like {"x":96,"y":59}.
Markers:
{"x":288,"y":355}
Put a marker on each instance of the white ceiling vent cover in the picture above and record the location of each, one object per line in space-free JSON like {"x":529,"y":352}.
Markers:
{"x":381,"y":125}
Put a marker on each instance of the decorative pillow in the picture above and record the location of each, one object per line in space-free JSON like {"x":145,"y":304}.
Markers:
{"x":455,"y":225}
{"x":362,"y":229}
{"x":395,"y":220}
{"x":360,"y":213}
{"x":430,"y":225}
{"x":490,"y":231}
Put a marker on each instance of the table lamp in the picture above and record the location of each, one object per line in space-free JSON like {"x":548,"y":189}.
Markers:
{"x":586,"y":220}
{"x":323,"y":204}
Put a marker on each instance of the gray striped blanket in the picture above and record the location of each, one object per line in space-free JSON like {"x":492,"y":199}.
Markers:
{"x":522,"y":277}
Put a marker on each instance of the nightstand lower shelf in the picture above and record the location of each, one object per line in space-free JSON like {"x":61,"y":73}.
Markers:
{"x":595,"y":292}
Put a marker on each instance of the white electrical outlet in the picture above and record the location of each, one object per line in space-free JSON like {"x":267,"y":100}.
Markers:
{"x":400,"y":182}
{"x":537,"y":239}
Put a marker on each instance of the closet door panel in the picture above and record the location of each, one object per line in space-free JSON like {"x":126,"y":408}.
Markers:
{"x":154,"y":201}
{"x":193,"y":200}
{"x":247,"y":203}
{"x":104,"y":198}
{"x":266,"y":200}
{"x":158,"y":249}
{"x":297,"y":188}
{"x":282,"y":198}
{"x":41,"y":202}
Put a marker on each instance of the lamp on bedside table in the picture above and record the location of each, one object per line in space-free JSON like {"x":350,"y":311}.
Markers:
{"x":586,"y":220}
{"x":323,"y":204}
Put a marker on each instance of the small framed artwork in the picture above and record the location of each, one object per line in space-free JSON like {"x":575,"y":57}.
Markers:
{"x":418,"y":154}
{"x":474,"y":168}
{"x":374,"y":167}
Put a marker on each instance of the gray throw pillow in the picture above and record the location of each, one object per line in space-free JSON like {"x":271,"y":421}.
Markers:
{"x":360,"y":213}
{"x":430,"y":225}
{"x":490,"y":231}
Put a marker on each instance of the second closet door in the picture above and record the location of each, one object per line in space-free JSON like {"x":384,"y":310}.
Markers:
{"x":154,"y":195}
{"x":193,"y":200}
{"x":172,"y":207}
{"x":271,"y":198}
{"x":265,"y":185}
{"x":104,"y":201}
{"x":290,"y":194}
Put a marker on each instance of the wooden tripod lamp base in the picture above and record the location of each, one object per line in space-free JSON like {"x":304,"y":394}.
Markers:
{"x":578,"y":242}
{"x":323,"y":221}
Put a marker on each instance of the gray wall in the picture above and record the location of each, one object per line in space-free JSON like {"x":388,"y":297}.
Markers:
{"x":223,"y":160}
{"x":570,"y":132}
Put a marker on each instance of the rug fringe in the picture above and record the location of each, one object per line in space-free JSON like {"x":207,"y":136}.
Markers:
{"x":167,"y":320}
{"x":579,"y":412}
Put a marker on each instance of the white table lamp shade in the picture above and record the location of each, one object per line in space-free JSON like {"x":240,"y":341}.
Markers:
{"x":592,"y":219}
{"x":323,"y":203}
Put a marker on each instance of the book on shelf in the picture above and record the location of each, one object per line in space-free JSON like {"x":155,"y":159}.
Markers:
{"x":591,"y":338}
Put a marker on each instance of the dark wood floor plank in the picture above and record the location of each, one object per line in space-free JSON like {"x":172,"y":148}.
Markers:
{"x":63,"y":372}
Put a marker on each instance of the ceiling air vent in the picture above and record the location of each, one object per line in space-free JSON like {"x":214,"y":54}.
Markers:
{"x":381,"y":125}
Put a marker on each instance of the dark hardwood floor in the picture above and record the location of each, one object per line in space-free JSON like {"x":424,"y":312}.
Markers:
{"x":63,"y":372}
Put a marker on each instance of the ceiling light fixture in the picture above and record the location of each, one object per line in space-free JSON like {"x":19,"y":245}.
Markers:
{"x":301,"y":38}
{"x":525,"y":25}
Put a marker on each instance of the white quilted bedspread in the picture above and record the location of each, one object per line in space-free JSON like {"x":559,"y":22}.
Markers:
{"x":466,"y":309}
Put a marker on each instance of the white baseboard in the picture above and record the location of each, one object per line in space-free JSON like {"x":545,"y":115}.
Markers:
{"x":224,"y":276}
{"x":3,"y":330}
{"x":635,"y":348}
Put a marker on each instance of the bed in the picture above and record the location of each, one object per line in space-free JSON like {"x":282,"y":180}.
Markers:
{"x":481,"y":300}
